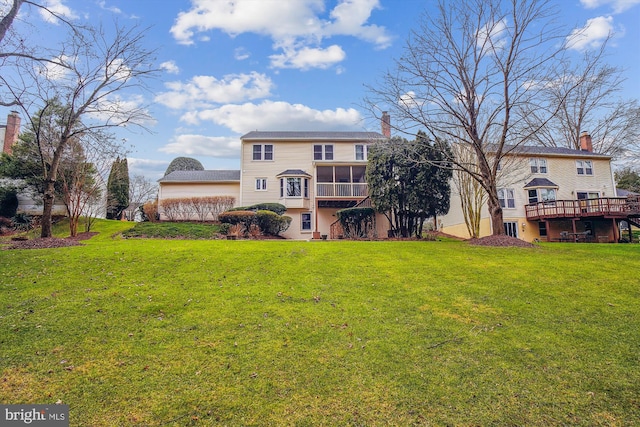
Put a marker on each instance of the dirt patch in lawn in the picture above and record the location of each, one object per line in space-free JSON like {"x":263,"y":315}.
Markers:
{"x":50,"y":242}
{"x":503,"y":241}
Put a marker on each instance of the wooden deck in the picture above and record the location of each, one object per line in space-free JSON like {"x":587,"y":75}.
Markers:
{"x":606,"y":207}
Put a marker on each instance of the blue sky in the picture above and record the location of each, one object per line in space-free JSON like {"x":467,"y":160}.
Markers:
{"x":287,"y":64}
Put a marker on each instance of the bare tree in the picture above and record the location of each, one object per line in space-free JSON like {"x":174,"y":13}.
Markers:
{"x":596,"y":105}
{"x":82,"y":183}
{"x":141,"y":191}
{"x":469,"y":74}
{"x":94,"y":72}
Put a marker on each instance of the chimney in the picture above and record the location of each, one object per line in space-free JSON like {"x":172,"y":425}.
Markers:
{"x":585,"y":142}
{"x":386,"y":124}
{"x":11,"y":132}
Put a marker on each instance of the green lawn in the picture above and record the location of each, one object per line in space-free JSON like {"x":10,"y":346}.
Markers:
{"x":216,"y":332}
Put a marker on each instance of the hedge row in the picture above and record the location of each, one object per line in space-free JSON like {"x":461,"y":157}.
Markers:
{"x":202,"y":208}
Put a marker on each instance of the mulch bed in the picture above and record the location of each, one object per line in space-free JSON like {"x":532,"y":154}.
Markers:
{"x":503,"y":241}
{"x":50,"y":242}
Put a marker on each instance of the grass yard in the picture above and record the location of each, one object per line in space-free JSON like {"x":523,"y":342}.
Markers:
{"x":133,"y":332}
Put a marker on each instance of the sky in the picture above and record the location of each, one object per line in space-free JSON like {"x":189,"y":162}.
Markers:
{"x":232,"y":66}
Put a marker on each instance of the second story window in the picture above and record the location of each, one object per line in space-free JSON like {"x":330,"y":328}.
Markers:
{"x":361,"y":152}
{"x":538,"y":165}
{"x":294,"y":187}
{"x":323,"y":152}
{"x":584,"y":167}
{"x":262,"y":152}
{"x":507,"y":198}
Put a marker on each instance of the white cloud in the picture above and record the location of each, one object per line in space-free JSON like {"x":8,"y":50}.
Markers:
{"x":295,"y":26}
{"x":57,"y":69}
{"x":202,"y":91}
{"x":201,"y":145}
{"x":307,"y":57}
{"x":170,"y":67}
{"x":618,"y":6}
{"x":492,"y":36}
{"x":241,"y":54}
{"x":114,"y":9}
{"x":592,"y":35}
{"x":147,"y":167}
{"x":270,"y":115}
{"x":58,"y":8}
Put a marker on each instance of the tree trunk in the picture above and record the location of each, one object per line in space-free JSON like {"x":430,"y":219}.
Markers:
{"x":47,"y":208}
{"x":495,"y":211}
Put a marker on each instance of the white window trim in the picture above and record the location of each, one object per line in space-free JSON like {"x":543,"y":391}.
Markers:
{"x":581,"y":165}
{"x":365,"y":152}
{"x":323,"y":152}
{"x":310,"y":229}
{"x":262,"y":152}
{"x":506,"y":192}
{"x":261,"y":184}
{"x":538,"y":163}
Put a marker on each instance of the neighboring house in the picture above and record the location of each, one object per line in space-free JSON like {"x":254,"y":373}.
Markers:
{"x":554,"y":194}
{"x":184,"y":184}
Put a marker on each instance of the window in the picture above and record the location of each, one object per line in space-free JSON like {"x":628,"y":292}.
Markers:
{"x":584,"y":167}
{"x":547,"y":194}
{"x":538,"y":165}
{"x":262,"y":152}
{"x":511,"y":228}
{"x":305,"y":221}
{"x":294,"y":187}
{"x":542,"y":228}
{"x":507,"y":198}
{"x":542,"y":195}
{"x":323,"y":152}
{"x":362,"y":151}
{"x":261,"y":184}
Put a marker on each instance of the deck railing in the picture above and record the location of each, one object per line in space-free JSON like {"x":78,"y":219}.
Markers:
{"x":609,"y":206}
{"x":339,"y":189}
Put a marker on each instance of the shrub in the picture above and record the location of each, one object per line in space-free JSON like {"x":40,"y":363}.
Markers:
{"x":23,"y":222}
{"x":245,"y":218}
{"x":273,"y":207}
{"x":150,"y":212}
{"x":356,"y":222}
{"x":8,"y":202}
{"x":283,"y":224}
{"x":224,"y":228}
{"x":271,"y":223}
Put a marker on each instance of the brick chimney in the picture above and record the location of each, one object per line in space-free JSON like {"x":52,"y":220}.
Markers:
{"x":385,"y":121}
{"x":585,"y":142}
{"x":11,"y":132}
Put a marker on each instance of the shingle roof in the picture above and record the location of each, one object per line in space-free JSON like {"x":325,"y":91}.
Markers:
{"x":311,"y":135}
{"x":293,"y":172}
{"x":552,"y":151}
{"x":540,"y":182}
{"x":202,"y":176}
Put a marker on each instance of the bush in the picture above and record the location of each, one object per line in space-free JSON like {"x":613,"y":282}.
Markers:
{"x":273,"y":207}
{"x":245,"y":218}
{"x":150,"y":212}
{"x":22,"y":222}
{"x":267,"y":221}
{"x":224,"y":228}
{"x":8,"y":202}
{"x":356,"y":222}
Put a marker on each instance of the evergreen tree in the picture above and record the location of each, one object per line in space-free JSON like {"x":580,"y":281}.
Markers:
{"x":118,"y":189}
{"x":184,"y":164}
{"x":409,"y":182}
